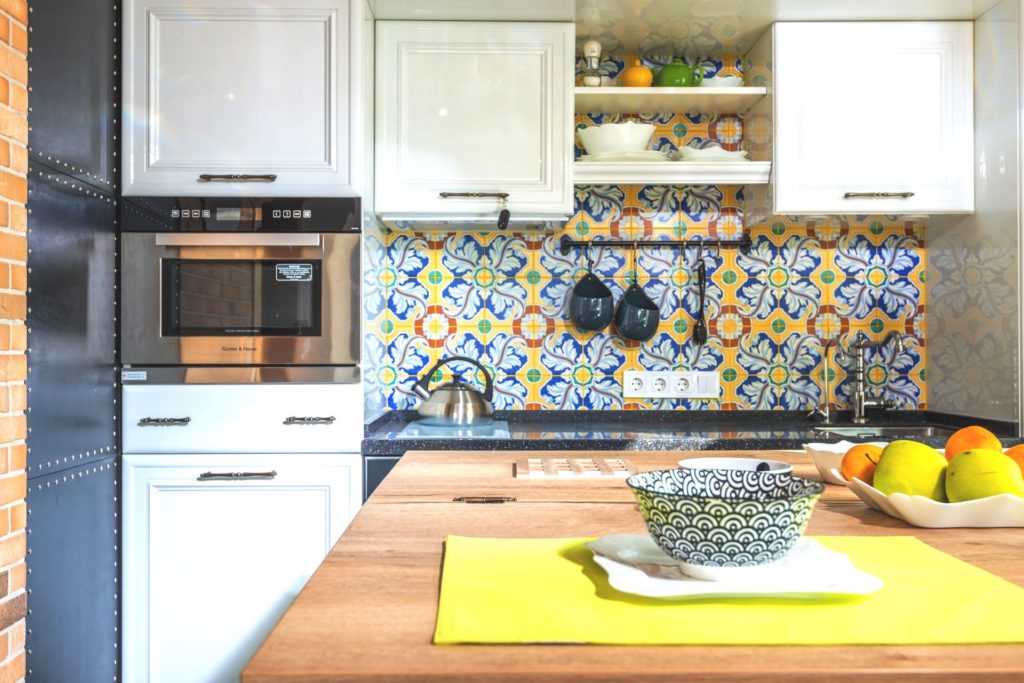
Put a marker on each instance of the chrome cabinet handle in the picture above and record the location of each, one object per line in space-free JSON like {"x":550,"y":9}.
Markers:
{"x":309,"y":420}
{"x":235,"y":476}
{"x":164,"y":421}
{"x":878,"y":195}
{"x":474,"y":195}
{"x":237,"y":177}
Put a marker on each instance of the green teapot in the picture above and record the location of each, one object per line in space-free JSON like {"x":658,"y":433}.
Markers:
{"x":679,"y":75}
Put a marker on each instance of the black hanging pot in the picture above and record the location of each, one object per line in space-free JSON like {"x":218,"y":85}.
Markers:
{"x":637,"y":317}
{"x":591,"y":305}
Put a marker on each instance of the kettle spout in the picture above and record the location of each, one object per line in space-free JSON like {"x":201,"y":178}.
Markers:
{"x":421,"y":390}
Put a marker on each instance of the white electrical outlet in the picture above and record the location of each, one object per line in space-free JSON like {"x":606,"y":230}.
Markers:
{"x":632,"y":384}
{"x":670,"y":384}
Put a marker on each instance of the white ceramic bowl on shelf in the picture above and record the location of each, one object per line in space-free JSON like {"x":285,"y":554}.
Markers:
{"x":722,"y":82}
{"x":611,"y":138}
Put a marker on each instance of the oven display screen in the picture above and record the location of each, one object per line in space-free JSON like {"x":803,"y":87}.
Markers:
{"x":245,"y":298}
{"x":237,"y":214}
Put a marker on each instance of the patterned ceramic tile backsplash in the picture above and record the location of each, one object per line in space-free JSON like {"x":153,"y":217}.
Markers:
{"x":501,"y":298}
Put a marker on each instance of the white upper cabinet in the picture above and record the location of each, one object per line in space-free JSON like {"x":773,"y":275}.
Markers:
{"x":474,"y":107}
{"x":873,"y":117}
{"x":237,"y":88}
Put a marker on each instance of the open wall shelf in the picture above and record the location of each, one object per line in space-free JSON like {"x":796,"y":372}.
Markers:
{"x":652,"y":100}
{"x":672,"y":173}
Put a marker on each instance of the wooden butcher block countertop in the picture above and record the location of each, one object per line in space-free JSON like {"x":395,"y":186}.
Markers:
{"x":368,"y":613}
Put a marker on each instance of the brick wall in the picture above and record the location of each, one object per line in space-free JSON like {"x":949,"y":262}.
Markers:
{"x":13,"y":333}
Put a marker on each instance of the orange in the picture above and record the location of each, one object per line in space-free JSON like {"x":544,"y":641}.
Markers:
{"x":860,"y":462}
{"x":971,"y":437}
{"x":1017,"y":453}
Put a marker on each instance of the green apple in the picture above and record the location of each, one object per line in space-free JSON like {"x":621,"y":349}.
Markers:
{"x":912,"y":468}
{"x":980,"y":473}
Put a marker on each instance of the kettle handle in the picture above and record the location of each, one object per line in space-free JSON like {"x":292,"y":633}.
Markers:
{"x":422,"y":384}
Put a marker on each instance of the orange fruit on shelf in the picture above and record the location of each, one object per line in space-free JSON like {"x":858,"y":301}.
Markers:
{"x":1017,"y":454}
{"x":860,"y":462}
{"x":970,"y":438}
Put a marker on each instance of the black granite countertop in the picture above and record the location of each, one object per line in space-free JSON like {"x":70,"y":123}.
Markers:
{"x":398,"y":432}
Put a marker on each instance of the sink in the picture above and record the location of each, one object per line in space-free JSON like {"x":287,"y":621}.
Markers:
{"x":880,"y":430}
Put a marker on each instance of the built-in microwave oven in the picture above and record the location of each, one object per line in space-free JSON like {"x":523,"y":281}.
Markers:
{"x":240,"y":281}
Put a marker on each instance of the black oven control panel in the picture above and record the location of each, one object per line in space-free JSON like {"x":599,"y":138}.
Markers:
{"x":234,"y":214}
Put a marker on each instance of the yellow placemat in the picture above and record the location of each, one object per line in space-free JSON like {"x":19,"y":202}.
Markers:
{"x":550,"y":590}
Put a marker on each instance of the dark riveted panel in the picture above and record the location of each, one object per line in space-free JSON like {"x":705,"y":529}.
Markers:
{"x":72,"y":577}
{"x":71,"y":322}
{"x":72,"y":83}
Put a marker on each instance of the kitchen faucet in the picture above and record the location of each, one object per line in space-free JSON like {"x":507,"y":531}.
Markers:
{"x":860,"y":401}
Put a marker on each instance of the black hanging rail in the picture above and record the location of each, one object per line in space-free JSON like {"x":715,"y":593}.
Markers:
{"x":743,"y":243}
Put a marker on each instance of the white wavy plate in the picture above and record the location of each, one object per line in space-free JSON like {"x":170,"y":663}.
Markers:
{"x":829,"y":456}
{"x":1004,"y":510}
{"x":808,"y":571}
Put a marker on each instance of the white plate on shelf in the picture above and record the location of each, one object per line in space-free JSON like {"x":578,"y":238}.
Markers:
{"x":636,"y":565}
{"x":713,"y":153}
{"x":1006,"y":510}
{"x":829,"y":456}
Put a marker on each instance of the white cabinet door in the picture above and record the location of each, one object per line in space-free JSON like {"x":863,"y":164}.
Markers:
{"x":873,"y":107}
{"x":233,"y":87}
{"x":473,"y":107}
{"x":211,"y":565}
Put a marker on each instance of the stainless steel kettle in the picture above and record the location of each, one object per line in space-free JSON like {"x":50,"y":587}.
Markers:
{"x":455,"y":403}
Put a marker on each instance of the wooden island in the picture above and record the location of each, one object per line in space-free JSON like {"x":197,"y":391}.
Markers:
{"x":368,"y":613}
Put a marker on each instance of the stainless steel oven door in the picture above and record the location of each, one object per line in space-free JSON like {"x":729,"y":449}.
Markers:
{"x":240,"y":298}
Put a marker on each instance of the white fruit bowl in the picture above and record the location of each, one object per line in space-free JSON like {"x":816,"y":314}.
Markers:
{"x":1005,"y":510}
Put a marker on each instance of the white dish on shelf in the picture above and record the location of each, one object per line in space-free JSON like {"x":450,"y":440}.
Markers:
{"x":628,"y":136}
{"x":636,"y":565}
{"x":642,"y":155}
{"x":714,"y":152}
{"x":1005,"y":510}
{"x":722,"y":82}
{"x":829,"y":456}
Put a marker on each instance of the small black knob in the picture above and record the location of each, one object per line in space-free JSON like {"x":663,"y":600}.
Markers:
{"x":503,"y":219}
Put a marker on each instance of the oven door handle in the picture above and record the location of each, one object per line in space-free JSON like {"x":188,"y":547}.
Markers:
{"x":237,"y":239}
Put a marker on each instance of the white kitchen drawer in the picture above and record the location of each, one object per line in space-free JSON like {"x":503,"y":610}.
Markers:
{"x":242,"y":418}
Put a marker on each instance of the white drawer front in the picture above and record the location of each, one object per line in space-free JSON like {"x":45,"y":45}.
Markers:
{"x":243,"y":418}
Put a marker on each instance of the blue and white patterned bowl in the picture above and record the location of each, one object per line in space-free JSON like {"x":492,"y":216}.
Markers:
{"x":724,"y":518}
